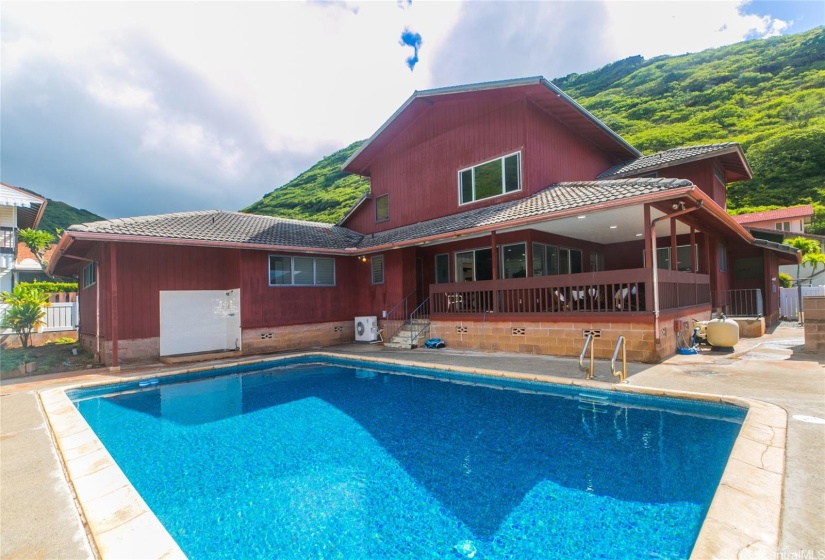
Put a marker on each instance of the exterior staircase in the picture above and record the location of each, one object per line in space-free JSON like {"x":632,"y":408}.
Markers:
{"x":410,"y":335}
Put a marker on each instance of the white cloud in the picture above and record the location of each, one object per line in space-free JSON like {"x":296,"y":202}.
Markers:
{"x":224,"y":101}
{"x":652,"y":28}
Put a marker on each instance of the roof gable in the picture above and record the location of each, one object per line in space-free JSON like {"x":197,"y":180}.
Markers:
{"x":539,"y":91}
{"x":29,"y":206}
{"x":730,"y":154}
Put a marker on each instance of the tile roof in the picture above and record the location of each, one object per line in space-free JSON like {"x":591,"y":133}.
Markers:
{"x":234,"y":227}
{"x":777,"y":214}
{"x":665,"y":159}
{"x":557,"y":197}
{"x":228,"y":227}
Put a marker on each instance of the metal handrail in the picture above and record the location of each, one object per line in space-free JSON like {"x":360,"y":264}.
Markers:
{"x":587,"y":342}
{"x":622,"y":375}
{"x":420,"y":312}
{"x":390,"y":330}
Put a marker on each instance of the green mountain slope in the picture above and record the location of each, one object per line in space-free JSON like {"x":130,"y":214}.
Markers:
{"x":768,"y":95}
{"x":323,"y":193}
{"x":61,"y":215}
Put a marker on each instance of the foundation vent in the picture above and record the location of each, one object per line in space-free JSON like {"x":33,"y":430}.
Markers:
{"x":265,"y":336}
{"x":338,"y":328}
{"x":518,"y":331}
{"x":460,"y":330}
{"x":597,"y":333}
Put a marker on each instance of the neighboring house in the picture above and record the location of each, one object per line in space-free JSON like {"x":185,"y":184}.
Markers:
{"x":785,"y":223}
{"x":19,"y":209}
{"x":26,"y":266}
{"x":507,"y":214}
{"x":787,"y":220}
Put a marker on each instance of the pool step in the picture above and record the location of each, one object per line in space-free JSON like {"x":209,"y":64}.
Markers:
{"x":592,"y":403}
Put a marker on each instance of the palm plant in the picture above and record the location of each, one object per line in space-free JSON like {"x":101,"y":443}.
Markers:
{"x":26,"y":311}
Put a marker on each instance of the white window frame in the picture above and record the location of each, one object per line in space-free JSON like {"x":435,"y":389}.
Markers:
{"x":504,"y":190}
{"x":89,"y":275}
{"x":292,"y":283}
{"x":376,"y":261}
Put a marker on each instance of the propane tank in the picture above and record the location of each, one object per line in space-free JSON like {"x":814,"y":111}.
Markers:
{"x":723,"y":332}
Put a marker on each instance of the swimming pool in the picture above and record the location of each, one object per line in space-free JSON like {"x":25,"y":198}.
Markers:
{"x":344,"y":460}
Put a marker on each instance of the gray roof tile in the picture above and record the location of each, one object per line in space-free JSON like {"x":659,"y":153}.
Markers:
{"x":665,"y":159}
{"x":234,"y":227}
{"x":558,"y":197}
{"x":228,"y":227}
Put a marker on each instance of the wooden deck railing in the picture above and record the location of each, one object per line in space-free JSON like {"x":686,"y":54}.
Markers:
{"x":618,"y":291}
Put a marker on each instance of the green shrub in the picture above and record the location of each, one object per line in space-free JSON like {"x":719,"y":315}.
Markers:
{"x":52,"y":287}
{"x":785,"y":280}
{"x":26,"y":310}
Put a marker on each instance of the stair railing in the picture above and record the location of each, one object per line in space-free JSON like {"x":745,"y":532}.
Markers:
{"x":396,"y":317}
{"x":420,"y":314}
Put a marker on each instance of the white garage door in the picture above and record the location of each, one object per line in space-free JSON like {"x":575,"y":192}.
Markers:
{"x":199,"y":321}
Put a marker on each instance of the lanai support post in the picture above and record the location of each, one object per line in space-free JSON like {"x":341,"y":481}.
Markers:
{"x":113,"y":303}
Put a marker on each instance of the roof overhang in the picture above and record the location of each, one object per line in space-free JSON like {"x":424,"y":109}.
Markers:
{"x":732,"y":159}
{"x":75,"y":245}
{"x":30,"y":207}
{"x":538,"y":90}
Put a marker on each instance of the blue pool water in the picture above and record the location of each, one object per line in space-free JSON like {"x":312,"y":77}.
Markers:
{"x":340,"y":461}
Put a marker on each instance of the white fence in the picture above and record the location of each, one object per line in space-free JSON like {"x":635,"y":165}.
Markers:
{"x":59,"y":317}
{"x":789,"y":300}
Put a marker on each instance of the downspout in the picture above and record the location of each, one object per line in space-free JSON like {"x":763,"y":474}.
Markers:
{"x":655,"y":262}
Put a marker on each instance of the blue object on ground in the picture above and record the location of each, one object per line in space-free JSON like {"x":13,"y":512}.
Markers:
{"x":435,"y":343}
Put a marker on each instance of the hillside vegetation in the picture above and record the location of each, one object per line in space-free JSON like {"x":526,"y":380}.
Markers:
{"x":323,"y":193}
{"x":768,"y":95}
{"x":59,"y":215}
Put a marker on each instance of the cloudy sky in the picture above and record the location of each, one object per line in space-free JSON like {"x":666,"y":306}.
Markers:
{"x":136,"y":108}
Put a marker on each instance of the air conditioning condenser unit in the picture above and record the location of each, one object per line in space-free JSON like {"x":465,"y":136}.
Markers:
{"x":366,"y":329}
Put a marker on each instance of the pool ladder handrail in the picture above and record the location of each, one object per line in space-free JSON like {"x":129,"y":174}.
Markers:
{"x":587,"y":342}
{"x":622,"y":375}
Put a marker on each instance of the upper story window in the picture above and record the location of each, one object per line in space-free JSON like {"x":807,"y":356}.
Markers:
{"x":489,"y":179}
{"x":89,"y":275}
{"x":382,"y":208}
{"x":786,"y":226}
{"x":301,"y":271}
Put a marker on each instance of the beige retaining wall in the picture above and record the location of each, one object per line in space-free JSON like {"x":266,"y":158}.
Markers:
{"x":562,"y":338}
{"x":814,"y":307}
{"x":253,"y":341}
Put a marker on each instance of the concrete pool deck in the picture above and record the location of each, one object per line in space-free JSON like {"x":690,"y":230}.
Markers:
{"x":39,"y":516}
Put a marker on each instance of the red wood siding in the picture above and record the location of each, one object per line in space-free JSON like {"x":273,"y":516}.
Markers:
{"x":556,"y":154}
{"x":419,"y":169}
{"x":701,"y":174}
{"x":144,"y":270}
{"x":263,"y":305}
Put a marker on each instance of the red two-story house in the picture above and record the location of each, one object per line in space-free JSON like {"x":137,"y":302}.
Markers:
{"x":501,"y":216}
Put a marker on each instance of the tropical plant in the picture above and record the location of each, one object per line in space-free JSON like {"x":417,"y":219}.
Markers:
{"x":806,"y":247}
{"x":26,"y":311}
{"x":785,"y":280}
{"x":38,"y":242}
{"x":814,"y":259}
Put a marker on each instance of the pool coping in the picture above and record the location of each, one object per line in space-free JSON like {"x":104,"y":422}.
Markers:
{"x":743,"y":519}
